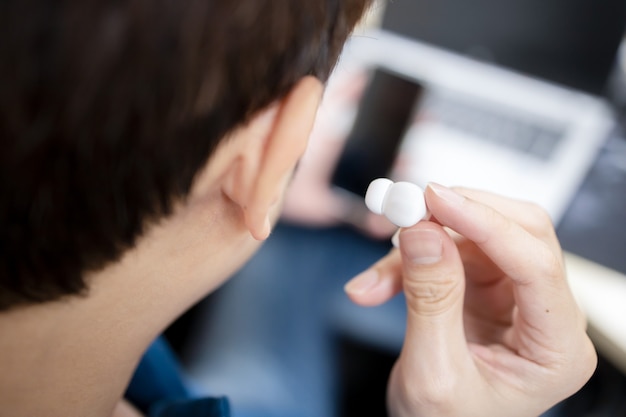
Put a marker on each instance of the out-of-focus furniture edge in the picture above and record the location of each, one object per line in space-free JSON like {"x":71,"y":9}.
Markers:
{"x":601,"y":294}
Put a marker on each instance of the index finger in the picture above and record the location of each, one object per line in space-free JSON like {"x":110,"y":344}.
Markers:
{"x":544,"y":301}
{"x":527,"y":214}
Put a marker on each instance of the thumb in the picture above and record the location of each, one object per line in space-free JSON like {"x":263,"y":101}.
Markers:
{"x":434,"y":285}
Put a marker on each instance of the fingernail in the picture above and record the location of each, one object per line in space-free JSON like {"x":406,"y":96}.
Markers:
{"x":395,"y":239}
{"x":363,"y":282}
{"x":423,"y":247}
{"x":446,"y":193}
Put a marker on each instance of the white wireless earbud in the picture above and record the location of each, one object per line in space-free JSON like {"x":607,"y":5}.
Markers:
{"x":375,"y":194}
{"x":401,"y":202}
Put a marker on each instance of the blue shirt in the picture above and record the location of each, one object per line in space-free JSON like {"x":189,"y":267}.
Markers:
{"x":158,"y":388}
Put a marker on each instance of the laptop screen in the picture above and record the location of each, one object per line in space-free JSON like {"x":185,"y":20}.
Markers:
{"x":570,"y":42}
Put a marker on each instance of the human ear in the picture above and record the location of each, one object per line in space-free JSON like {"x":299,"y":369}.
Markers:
{"x":275,"y":140}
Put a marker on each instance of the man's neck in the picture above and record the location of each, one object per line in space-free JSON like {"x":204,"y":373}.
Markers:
{"x":76,"y":356}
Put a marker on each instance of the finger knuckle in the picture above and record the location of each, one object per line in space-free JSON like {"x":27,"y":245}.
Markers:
{"x":499,"y":225}
{"x":550,"y":265}
{"x":584,"y":361}
{"x":578,"y":366}
{"x":590,"y":357}
{"x":433,"y":294}
{"x":539,"y":220}
{"x":435,"y":395}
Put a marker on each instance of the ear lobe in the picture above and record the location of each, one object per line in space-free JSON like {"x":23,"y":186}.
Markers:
{"x":265,"y":167}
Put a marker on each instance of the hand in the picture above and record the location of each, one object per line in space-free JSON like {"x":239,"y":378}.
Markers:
{"x":493,"y":329}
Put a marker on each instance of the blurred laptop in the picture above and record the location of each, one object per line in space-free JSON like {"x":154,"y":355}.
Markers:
{"x":512,"y":98}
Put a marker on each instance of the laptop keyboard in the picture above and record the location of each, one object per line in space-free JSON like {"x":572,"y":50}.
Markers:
{"x":498,"y":126}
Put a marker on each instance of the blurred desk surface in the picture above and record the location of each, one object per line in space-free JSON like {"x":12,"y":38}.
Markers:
{"x":593,"y":234}
{"x":601,"y":293}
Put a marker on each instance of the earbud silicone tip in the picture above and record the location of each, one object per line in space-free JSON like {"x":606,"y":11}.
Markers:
{"x":375,"y":194}
{"x":404,"y":204}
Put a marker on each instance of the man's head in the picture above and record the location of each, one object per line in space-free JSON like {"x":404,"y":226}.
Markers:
{"x":110,"y":110}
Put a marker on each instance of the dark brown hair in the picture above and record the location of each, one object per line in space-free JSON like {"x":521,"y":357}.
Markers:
{"x":108,"y":109}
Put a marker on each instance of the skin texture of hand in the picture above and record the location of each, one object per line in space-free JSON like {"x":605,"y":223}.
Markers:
{"x":492,"y":327}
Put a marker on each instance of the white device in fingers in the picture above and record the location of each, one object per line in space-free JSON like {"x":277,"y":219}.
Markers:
{"x":402,"y":203}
